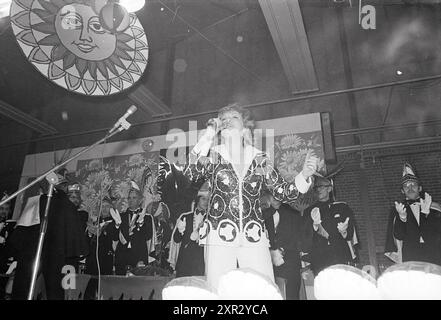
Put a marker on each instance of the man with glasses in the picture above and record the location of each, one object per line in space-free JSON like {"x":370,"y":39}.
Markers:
{"x":331,"y":227}
{"x":417,"y":222}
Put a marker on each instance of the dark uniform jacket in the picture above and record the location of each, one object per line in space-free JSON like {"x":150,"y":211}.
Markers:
{"x":64,"y":244}
{"x":191,"y":254}
{"x":336,"y":249}
{"x":287,"y":237}
{"x":132,"y":246}
{"x":420,"y":242}
{"x":105,"y":249}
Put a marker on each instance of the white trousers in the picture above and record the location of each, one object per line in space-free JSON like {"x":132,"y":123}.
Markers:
{"x":221,"y":259}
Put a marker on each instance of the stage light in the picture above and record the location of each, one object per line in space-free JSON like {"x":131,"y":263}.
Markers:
{"x":180,"y":65}
{"x":411,"y":280}
{"x":188,"y":288}
{"x":247,"y":284}
{"x":399,"y":73}
{"x":343,"y":282}
{"x":132,"y":5}
{"x":114,"y":17}
{"x":238,"y":284}
{"x":5,"y":5}
{"x":147,"y":145}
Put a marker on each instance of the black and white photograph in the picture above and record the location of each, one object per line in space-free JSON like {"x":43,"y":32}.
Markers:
{"x":244,"y":151}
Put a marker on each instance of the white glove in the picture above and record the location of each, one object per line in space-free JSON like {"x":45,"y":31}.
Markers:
{"x":343,"y":227}
{"x":194,"y":235}
{"x":115,"y":215}
{"x":181,"y":224}
{"x":2,"y":240}
{"x":315,"y":215}
{"x":198,"y":220}
{"x":277,"y":257}
{"x":310,"y":166}
{"x":426,"y":203}
{"x":141,"y":218}
{"x":401,"y":211}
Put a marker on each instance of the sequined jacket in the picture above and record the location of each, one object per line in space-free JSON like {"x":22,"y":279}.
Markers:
{"x":234,"y":212}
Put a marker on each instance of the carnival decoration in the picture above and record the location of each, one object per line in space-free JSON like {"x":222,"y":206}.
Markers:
{"x":88,"y":47}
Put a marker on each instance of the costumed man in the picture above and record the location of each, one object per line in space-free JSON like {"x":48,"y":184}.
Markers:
{"x":61,"y":246}
{"x":190,"y":260}
{"x":159,"y":249}
{"x":234,"y":231}
{"x":74,"y":194}
{"x":158,"y":210}
{"x":414,"y":231}
{"x":101,"y":236}
{"x":133,"y":230}
{"x":285,"y":225}
{"x":330,"y":228}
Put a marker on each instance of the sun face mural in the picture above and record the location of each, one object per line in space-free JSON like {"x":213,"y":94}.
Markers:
{"x":67,"y":42}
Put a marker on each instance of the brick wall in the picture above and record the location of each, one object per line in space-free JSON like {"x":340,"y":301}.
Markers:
{"x":383,"y":169}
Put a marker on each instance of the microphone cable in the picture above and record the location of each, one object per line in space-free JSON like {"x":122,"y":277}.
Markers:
{"x":98,"y":231}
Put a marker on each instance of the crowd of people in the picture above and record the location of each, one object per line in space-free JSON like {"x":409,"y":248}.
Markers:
{"x":249,"y":217}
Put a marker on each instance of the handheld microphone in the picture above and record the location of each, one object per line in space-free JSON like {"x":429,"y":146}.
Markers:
{"x":123,"y":119}
{"x":214,"y":124}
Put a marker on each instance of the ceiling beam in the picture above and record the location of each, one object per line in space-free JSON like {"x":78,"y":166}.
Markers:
{"x":147,"y":101}
{"x":285,"y":22}
{"x":26,"y":120}
{"x":354,"y":3}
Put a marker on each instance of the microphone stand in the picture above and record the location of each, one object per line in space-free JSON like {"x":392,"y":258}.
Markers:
{"x":52,"y":178}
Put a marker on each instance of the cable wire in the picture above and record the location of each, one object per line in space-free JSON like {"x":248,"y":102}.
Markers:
{"x":98,"y":230}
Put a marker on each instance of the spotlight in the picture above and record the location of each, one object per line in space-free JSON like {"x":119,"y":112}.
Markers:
{"x":4,"y":8}
{"x":238,"y":284}
{"x":412,"y":280}
{"x":132,"y":5}
{"x":399,"y":73}
{"x":247,"y":284}
{"x":188,"y":288}
{"x":114,"y":17}
{"x":147,"y":145}
{"x":343,"y":282}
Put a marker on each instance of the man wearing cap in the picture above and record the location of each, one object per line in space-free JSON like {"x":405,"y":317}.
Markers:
{"x":417,"y":221}
{"x":330,"y":226}
{"x":134,"y":229}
